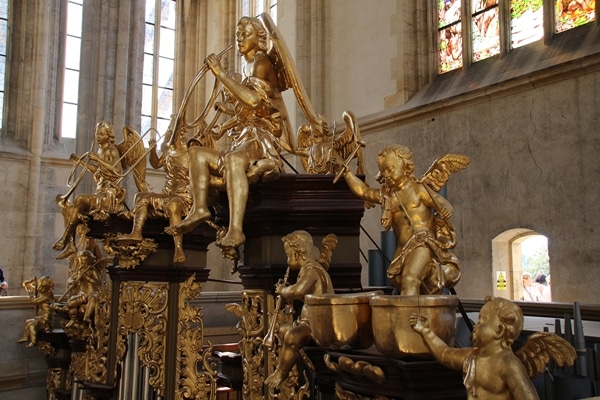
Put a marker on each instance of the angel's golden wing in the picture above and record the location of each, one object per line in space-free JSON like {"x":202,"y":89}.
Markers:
{"x":235,"y":309}
{"x":540,"y":348}
{"x":437,"y":175}
{"x":328,"y":244}
{"x":348,"y":143}
{"x":133,"y":155}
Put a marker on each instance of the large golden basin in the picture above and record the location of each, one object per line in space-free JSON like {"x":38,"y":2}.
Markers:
{"x":341,"y":321}
{"x":393,"y":335}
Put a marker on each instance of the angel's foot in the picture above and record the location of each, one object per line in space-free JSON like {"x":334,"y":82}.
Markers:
{"x":30,"y":344}
{"x":60,"y":243}
{"x":179,"y":256}
{"x":131,"y":238}
{"x":275,"y":379}
{"x":232,"y":239}
{"x":23,"y":339}
{"x":189,"y":223}
{"x":69,"y":249}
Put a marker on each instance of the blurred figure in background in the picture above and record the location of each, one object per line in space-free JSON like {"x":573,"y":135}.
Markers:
{"x":542,"y":284}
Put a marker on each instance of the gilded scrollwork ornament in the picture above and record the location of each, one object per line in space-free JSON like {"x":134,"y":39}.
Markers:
{"x":129,"y":255}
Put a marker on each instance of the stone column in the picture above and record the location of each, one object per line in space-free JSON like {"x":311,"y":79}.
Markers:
{"x":110,"y":81}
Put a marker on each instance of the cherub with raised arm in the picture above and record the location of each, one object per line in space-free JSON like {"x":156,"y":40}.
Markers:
{"x":260,"y":119}
{"x":312,"y":264}
{"x":107,"y":166}
{"x":491,"y":370}
{"x":419,"y":216}
{"x":41,"y":293}
{"x":175,"y":200}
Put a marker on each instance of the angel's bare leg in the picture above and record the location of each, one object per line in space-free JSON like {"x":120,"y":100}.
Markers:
{"x":201,"y":160}
{"x":236,"y":165}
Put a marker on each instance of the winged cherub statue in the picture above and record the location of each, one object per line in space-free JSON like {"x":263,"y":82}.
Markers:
{"x":419,"y":216}
{"x":491,"y":369}
{"x":107,"y":166}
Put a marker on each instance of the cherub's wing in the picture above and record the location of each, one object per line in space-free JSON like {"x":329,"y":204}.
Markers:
{"x":328,"y":244}
{"x":133,"y":155}
{"x":437,"y":175}
{"x":541,"y":347}
{"x":349,"y":141}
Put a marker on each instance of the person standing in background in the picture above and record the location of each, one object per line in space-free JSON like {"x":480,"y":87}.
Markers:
{"x":542,"y":284}
{"x":530,"y":292}
{"x":3,"y":284}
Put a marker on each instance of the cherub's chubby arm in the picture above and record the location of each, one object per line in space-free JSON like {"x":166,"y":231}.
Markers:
{"x":303,"y":286}
{"x":515,"y":376}
{"x":447,"y":356}
{"x":359,"y":188}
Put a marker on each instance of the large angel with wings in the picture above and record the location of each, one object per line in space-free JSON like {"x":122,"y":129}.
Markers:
{"x":419,"y":216}
{"x":107,"y":165}
{"x":490,"y":368}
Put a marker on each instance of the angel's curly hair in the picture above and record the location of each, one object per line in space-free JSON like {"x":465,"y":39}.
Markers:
{"x":108,"y":127}
{"x":510,"y":316}
{"x":302,"y":243}
{"x":260,"y":30}
{"x":403,"y":153}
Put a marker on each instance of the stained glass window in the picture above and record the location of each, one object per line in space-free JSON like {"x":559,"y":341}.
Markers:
{"x":485,"y":28}
{"x":526,"y":22}
{"x":450,"y":35}
{"x":573,"y":13}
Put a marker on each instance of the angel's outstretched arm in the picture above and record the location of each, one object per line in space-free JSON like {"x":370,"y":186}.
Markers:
{"x":447,"y":356}
{"x":359,"y":188}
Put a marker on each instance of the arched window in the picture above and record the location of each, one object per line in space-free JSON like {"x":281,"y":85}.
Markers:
{"x":517,"y":253}
{"x":72,"y":64}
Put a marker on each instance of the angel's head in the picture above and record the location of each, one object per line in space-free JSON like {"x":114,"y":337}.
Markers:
{"x":395,"y":163}
{"x":104,"y":132}
{"x":499,"y":319}
{"x":299,"y":247}
{"x":247,"y":28}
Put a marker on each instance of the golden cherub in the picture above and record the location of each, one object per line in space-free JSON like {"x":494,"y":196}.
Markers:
{"x":491,"y":370}
{"x":419,"y":216}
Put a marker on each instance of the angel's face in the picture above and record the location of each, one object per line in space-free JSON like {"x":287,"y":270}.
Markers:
{"x":488,"y":327}
{"x":247,"y":38}
{"x":391,"y":169}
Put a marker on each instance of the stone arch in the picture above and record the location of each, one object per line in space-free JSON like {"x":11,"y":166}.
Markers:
{"x":506,"y":260}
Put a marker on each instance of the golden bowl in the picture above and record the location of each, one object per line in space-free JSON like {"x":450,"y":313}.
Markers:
{"x":341,"y":321}
{"x":393,"y":335}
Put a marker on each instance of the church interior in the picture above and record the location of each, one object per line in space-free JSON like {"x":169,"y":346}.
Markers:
{"x":510,"y":88}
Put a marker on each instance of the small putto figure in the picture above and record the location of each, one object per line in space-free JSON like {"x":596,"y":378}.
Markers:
{"x":419,"y":216}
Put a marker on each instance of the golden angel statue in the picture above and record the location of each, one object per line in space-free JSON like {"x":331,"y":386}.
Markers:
{"x":257,"y":125}
{"x":175,"y":200}
{"x":107,"y":165}
{"x":312,"y":265}
{"x":491,"y":369}
{"x":41,"y":293}
{"x":419,"y":216}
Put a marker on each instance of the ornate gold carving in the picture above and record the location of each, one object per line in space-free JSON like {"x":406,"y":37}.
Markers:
{"x":358,"y":368}
{"x":143,"y":310}
{"x":129,"y":255}
{"x":341,"y":394}
{"x":251,"y":328}
{"x":197,"y":374}
{"x":46,"y":349}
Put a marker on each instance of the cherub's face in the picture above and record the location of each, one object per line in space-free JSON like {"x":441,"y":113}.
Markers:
{"x":391,"y":169}
{"x":102,"y":135}
{"x":247,"y":38}
{"x":488,"y":327}
{"x":293,"y":260}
